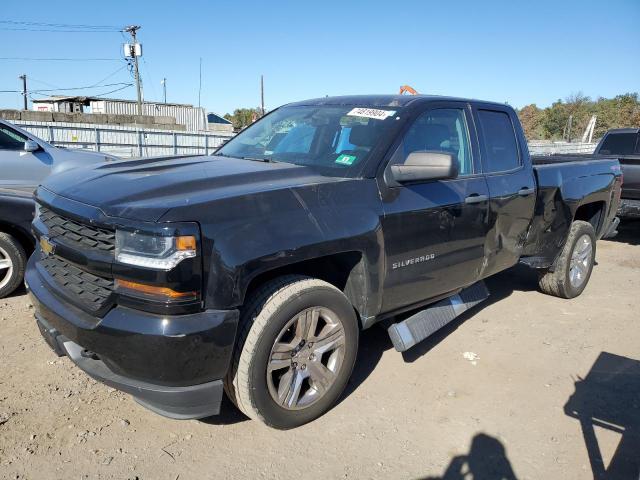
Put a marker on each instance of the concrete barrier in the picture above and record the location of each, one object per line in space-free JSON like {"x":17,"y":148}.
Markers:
{"x":140,"y":121}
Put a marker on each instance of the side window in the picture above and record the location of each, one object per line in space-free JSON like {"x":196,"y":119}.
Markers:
{"x":499,"y":141}
{"x":443,"y":130}
{"x":11,"y":140}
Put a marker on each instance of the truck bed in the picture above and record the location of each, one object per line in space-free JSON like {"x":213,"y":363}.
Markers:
{"x":565,"y":182}
{"x":630,"y":165}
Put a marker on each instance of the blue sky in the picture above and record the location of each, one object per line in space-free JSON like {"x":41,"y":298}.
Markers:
{"x":512,"y":51}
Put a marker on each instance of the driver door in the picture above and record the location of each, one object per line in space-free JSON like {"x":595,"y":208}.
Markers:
{"x":434,"y":231}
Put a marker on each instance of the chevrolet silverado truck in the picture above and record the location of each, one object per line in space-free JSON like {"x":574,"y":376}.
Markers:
{"x":255,"y":269}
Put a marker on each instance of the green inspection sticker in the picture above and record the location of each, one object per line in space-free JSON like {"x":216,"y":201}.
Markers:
{"x":346,"y":159}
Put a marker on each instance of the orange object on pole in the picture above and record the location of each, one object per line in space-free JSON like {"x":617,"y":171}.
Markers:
{"x":408,"y":89}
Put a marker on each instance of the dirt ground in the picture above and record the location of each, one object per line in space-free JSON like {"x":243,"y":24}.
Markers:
{"x":494,"y":395}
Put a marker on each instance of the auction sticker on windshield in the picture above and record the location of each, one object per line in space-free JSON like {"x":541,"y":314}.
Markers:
{"x":346,"y":159}
{"x":371,"y":113}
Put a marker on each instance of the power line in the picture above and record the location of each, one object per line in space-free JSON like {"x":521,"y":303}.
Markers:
{"x":63,"y":25}
{"x":13,"y":25}
{"x":68,"y":89}
{"x":31,"y":59}
{"x":113,"y":91}
{"x":55,"y":30}
{"x":94,"y":95}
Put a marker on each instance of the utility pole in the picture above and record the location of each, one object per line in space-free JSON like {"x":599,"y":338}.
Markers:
{"x":164,"y":89}
{"x":133,"y":52}
{"x":262,"y":93}
{"x":199,"y":82}
{"x":23,"y":77}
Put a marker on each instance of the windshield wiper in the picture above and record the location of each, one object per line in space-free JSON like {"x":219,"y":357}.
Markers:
{"x":258,"y":159}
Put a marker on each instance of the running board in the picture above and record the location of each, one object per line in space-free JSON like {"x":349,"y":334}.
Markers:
{"x":419,"y":326}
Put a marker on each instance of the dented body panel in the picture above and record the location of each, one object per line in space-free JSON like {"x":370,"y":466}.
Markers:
{"x":564,"y":187}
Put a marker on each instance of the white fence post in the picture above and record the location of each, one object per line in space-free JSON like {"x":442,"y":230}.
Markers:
{"x":140,"y":152}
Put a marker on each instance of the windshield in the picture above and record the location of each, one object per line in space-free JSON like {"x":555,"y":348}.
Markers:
{"x":336,"y":139}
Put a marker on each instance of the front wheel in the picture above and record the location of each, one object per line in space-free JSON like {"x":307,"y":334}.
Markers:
{"x":12,"y":263}
{"x":574,"y":265}
{"x":296,"y":350}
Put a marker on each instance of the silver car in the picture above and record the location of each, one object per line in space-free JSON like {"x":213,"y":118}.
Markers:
{"x":25,"y":161}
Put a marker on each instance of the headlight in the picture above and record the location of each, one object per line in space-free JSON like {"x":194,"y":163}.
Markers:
{"x":153,"y":250}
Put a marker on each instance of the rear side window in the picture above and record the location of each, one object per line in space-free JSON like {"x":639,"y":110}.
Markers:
{"x":619,"y":144}
{"x":501,"y":148}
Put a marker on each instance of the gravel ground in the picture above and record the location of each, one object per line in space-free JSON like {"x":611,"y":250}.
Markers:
{"x":486,"y":396}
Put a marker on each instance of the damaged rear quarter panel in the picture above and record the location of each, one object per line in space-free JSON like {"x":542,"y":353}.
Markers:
{"x":562,"y":189}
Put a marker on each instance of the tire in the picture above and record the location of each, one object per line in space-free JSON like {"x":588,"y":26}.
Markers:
{"x":13,"y":255}
{"x":559,"y":282}
{"x":265,"y":323}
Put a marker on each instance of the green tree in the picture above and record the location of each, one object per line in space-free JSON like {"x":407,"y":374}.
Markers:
{"x":243,"y":117}
{"x":532,"y":119}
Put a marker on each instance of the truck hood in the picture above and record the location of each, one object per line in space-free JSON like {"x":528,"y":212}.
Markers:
{"x":66,"y":159}
{"x":145,"y":189}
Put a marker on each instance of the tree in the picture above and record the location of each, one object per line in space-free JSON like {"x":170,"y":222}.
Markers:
{"x":552,"y":122}
{"x":243,"y":117}
{"x":532,"y":121}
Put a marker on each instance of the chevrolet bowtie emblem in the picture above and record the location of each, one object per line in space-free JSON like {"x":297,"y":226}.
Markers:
{"x":47,"y":247}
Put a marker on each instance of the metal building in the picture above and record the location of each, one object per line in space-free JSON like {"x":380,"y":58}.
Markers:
{"x":193,"y":118}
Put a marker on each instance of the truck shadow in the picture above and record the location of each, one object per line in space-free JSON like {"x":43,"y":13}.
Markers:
{"x":228,"y":415}
{"x":628,"y":232}
{"x":501,"y":285}
{"x":609,"y":398}
{"x":375,"y":341}
{"x":486,"y":459}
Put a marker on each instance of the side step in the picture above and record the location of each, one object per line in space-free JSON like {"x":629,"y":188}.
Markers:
{"x":416,"y":328}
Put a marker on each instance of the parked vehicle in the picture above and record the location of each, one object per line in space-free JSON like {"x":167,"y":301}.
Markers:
{"x":624,"y":143}
{"x":25,"y":160}
{"x":254,"y":270}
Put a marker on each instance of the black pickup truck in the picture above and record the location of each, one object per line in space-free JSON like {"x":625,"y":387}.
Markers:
{"x":255,"y":269}
{"x":624,"y":144}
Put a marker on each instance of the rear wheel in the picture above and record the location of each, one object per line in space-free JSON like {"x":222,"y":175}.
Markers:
{"x":12,"y":263}
{"x":574,"y":265}
{"x":296,"y":351}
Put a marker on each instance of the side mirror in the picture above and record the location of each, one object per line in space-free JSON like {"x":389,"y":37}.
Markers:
{"x":426,"y":165}
{"x":31,"y":146}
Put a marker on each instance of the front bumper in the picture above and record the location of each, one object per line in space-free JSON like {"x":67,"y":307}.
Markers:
{"x":170,"y":364}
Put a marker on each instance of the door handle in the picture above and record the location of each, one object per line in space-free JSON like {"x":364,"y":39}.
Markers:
{"x":475,"y":198}
{"x":523,"y":192}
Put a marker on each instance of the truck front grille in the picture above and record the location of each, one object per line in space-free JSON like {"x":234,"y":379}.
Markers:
{"x":89,"y":290}
{"x":78,"y":234}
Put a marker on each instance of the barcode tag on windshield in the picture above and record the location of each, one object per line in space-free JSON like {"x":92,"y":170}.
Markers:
{"x":371,"y":113}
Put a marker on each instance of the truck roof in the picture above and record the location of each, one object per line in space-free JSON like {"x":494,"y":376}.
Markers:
{"x":385,"y":100}
{"x":624,"y":130}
